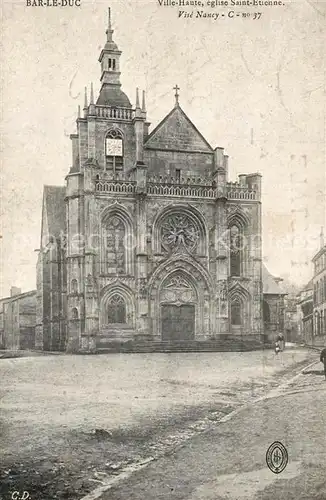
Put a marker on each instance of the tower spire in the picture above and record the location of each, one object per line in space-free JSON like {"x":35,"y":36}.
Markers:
{"x":137,"y":98}
{"x":110,"y":92}
{"x":322,"y":240}
{"x":85,"y":104}
{"x":143,"y":106}
{"x":85,"y":99}
{"x":109,"y":31}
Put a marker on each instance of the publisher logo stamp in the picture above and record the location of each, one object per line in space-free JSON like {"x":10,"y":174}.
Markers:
{"x":277,"y":457}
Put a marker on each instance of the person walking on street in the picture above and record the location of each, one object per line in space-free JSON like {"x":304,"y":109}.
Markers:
{"x":280,"y":340}
{"x":323,"y":359}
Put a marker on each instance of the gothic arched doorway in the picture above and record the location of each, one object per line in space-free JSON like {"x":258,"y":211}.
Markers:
{"x":178,"y":303}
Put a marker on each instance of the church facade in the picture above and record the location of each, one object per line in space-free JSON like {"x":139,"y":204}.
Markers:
{"x":148,"y":239}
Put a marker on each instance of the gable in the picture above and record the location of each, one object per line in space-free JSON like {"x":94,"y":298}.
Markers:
{"x":177,"y":133}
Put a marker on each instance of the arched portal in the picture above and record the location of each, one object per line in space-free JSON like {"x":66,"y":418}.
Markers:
{"x":180,"y":294}
{"x":178,"y":307}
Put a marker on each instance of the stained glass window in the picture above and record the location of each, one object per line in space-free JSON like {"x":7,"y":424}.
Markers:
{"x":114,"y":246}
{"x":235,"y":251}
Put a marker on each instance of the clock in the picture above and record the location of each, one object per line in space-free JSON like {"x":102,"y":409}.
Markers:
{"x":114,"y":147}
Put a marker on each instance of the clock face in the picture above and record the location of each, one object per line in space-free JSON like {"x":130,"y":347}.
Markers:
{"x":114,"y":147}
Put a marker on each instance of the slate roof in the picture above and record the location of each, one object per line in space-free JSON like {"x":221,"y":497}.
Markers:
{"x":112,"y":95}
{"x":270,"y":286}
{"x":18,"y":296}
{"x":54,"y":198}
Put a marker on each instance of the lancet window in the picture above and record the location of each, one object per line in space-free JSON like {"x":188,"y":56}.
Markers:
{"x":235,"y":251}
{"x":114,"y":246}
{"x":116,"y":309}
{"x":114,"y":150}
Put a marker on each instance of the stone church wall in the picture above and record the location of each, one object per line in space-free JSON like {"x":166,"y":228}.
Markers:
{"x":165,"y":163}
{"x":97,"y":136}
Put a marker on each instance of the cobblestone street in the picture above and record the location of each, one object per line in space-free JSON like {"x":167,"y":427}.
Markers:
{"x":228,"y":463}
{"x":72,"y":423}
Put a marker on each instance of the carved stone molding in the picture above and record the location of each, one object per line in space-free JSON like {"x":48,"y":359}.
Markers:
{"x":238,"y":283}
{"x":142,"y":287}
{"x":232,"y":209}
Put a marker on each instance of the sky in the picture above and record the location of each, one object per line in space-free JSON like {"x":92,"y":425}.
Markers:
{"x":254,"y":87}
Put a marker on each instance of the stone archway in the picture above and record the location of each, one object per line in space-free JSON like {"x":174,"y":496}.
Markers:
{"x":180,"y":293}
{"x":117,"y":308}
{"x":178,"y":308}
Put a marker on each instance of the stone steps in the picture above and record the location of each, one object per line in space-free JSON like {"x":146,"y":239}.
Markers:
{"x":115,"y":335}
{"x":228,"y":345}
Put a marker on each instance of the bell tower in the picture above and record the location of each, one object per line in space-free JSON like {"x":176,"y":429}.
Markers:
{"x":110,"y":92}
{"x":110,"y":59}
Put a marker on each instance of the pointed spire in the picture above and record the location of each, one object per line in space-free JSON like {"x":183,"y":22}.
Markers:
{"x":92,"y":94}
{"x":85,"y":99}
{"x":137,"y":98}
{"x":143,"y":105}
{"x":109,"y":31}
{"x":322,"y":240}
{"x":85,"y":104}
{"x":109,"y":19}
{"x":78,"y":115}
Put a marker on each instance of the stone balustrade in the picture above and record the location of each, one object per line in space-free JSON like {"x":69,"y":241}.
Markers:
{"x":122,"y":184}
{"x":182,"y":190}
{"x":237,"y":192}
{"x":115,"y":186}
{"x":183,"y":181}
{"x":119,"y":113}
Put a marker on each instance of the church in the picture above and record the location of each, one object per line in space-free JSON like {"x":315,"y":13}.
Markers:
{"x":148,"y":241}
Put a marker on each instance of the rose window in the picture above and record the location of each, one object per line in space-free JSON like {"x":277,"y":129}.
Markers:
{"x":179,"y":233}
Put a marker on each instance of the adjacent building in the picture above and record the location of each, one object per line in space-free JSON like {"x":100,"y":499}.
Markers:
{"x":273,"y":305}
{"x":305,"y":309}
{"x":311,"y":301}
{"x":319,"y":293}
{"x":17,"y":320}
{"x":291,"y":318}
{"x":51,"y":276}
